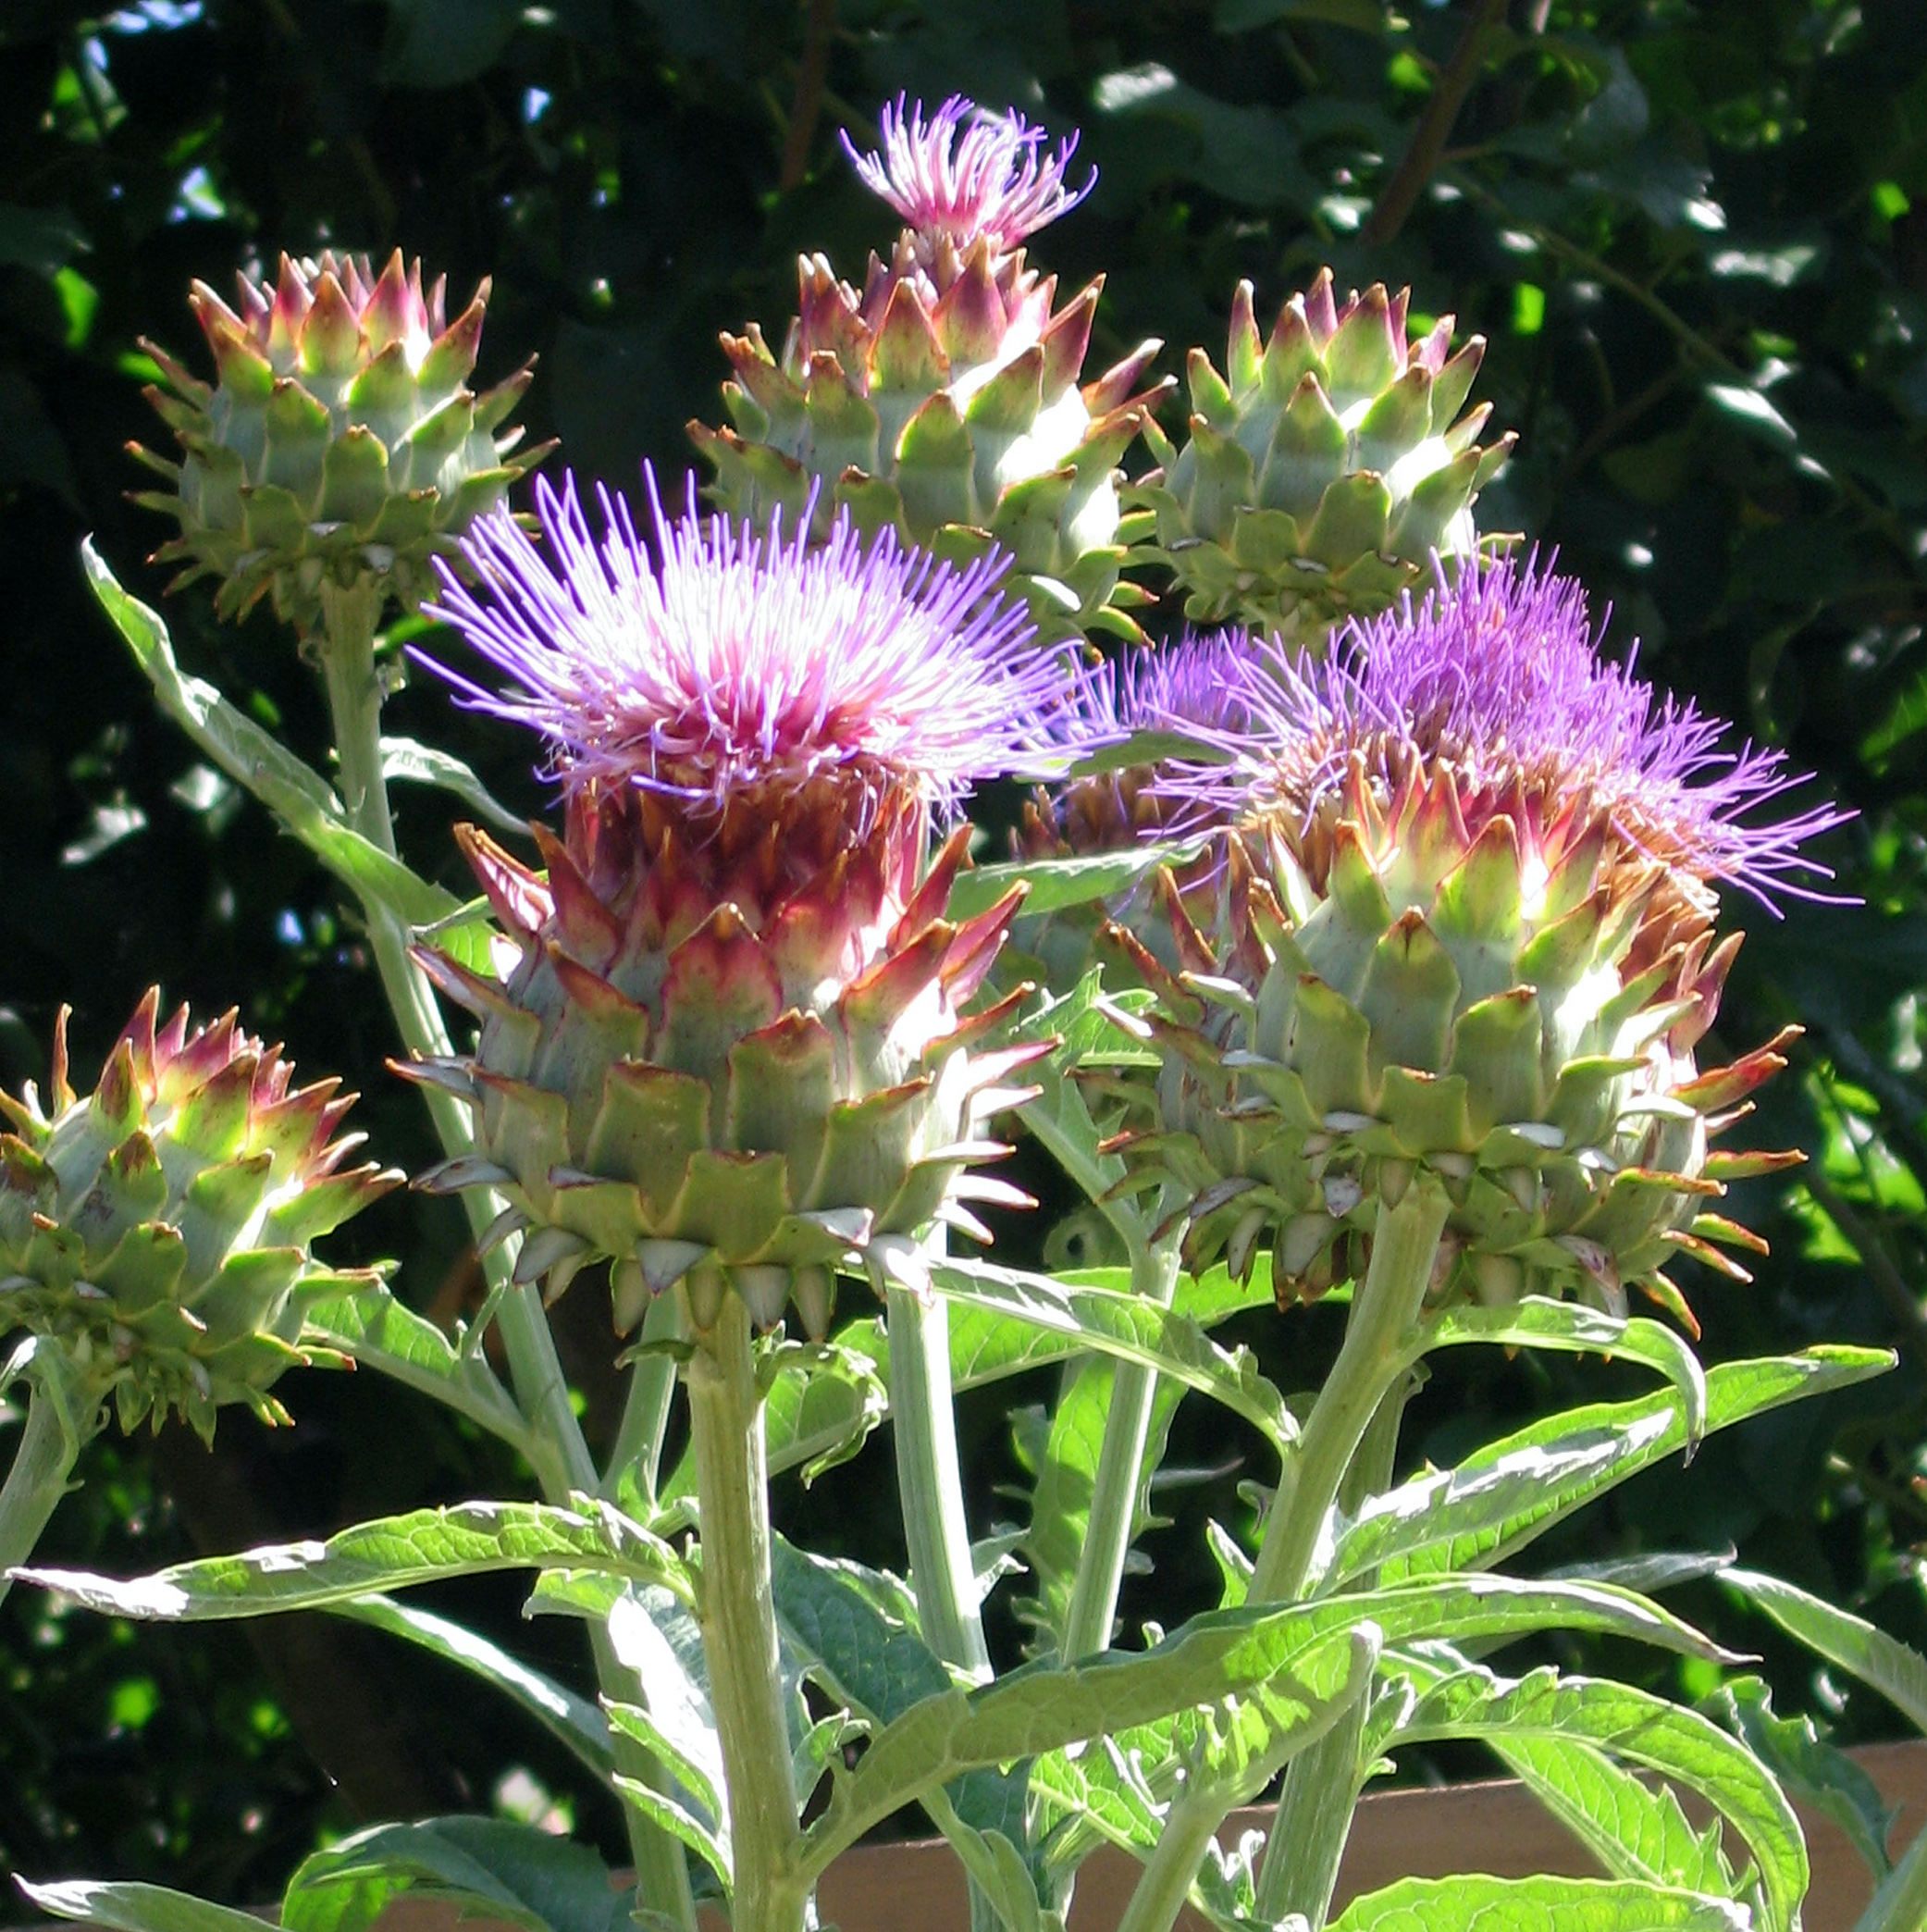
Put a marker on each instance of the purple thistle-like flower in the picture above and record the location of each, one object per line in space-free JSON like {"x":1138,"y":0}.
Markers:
{"x":1498,"y":674}
{"x":729,"y":662}
{"x":1201,"y":682}
{"x":966,"y":172}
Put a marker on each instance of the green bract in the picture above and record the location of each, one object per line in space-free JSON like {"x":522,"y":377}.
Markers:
{"x":339,"y":439}
{"x":1323,"y":469}
{"x":159,"y":1229}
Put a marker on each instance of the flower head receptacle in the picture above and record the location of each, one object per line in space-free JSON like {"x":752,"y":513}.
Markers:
{"x":1323,"y":469}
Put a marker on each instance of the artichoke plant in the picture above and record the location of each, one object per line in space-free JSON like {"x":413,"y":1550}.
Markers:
{"x":944,"y":400}
{"x":157,"y":1232}
{"x":727,"y":1041}
{"x":1472,"y":930}
{"x":1323,"y":469}
{"x":338,"y":441}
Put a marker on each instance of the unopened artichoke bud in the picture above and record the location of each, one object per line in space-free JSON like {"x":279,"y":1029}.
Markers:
{"x":944,"y":400}
{"x":1323,"y":469}
{"x":158,"y":1230}
{"x":1476,"y":933}
{"x":339,"y":439}
{"x":728,"y":1043}
{"x":1159,"y":698}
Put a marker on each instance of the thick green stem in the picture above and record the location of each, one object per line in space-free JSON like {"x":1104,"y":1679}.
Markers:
{"x":43,"y":1460}
{"x":739,"y":1617}
{"x":1121,"y":1468}
{"x":1160,"y":1894}
{"x":1314,"y":1817}
{"x":558,"y":1452}
{"x":1385,"y":1306}
{"x":929,"y":1481}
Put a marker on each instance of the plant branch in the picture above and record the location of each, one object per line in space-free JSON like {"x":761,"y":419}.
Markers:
{"x":559,"y":1454}
{"x":1400,"y":195}
{"x":807,"y":106}
{"x":929,"y":1484}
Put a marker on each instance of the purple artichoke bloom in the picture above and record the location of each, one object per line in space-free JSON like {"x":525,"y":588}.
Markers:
{"x":1193,"y":691}
{"x":1497,"y":674}
{"x":728,"y":661}
{"x":1202,"y":683}
{"x":966,"y":172}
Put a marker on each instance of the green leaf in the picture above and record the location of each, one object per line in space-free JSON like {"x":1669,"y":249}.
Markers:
{"x":135,"y":1908}
{"x":858,"y":1627}
{"x":1058,"y":883}
{"x":1753,"y":414}
{"x":41,"y":240}
{"x":1678,"y":1744}
{"x":1223,"y":1655}
{"x":496,"y":1868}
{"x":1474,"y":1902}
{"x":442,"y":42}
{"x":1633,"y":1827}
{"x":410,"y":762}
{"x":1360,"y":15}
{"x":1033,"y":1711}
{"x":1536,"y":1322}
{"x":1502,"y":1496}
{"x":374,"y":1328}
{"x":298,"y":796}
{"x":424,"y":1546}
{"x":574,"y":1720}
{"x":822,"y":1407}
{"x":709,"y":1843}
{"x":1808,"y":1768}
{"x":1882,"y":1662}
{"x":1128,"y":1327}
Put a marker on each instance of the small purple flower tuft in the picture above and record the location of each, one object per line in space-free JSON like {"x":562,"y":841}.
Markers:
{"x":1497,"y":673}
{"x":740,"y":661}
{"x":1202,"y":681}
{"x":997,"y":181}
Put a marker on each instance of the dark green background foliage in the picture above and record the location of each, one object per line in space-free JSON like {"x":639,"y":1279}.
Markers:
{"x":1696,"y":237}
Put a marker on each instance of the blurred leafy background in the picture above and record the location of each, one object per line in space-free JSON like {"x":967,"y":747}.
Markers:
{"x":1695,"y":232}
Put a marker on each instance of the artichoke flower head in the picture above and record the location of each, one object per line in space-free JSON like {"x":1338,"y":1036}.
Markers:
{"x":1323,"y":469}
{"x":156,"y":1231}
{"x":339,"y":440}
{"x":1473,"y":926}
{"x":944,"y":399}
{"x":727,"y":1042}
